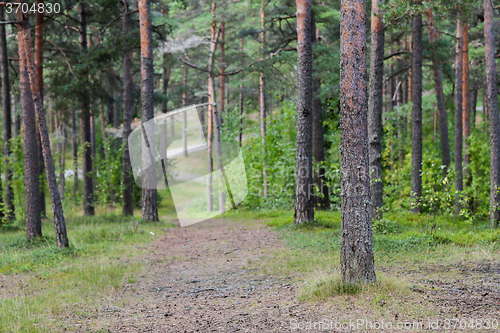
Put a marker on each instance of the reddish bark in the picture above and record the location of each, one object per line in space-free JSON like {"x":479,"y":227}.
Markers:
{"x":24,"y":39}
{"x":375,"y":108}
{"x":30,"y":153}
{"x":149,"y":209}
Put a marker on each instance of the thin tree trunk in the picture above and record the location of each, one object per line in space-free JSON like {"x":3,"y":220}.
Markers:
{"x":458,"y":116}
{"x":24,"y":38}
{"x":492,"y":102}
{"x":304,"y":200}
{"x":128,"y":207}
{"x":356,"y":252}
{"x":473,"y":105}
{"x":466,"y":109}
{"x":184,"y":103}
{"x":30,"y":153}
{"x":416,"y":146}
{"x":323,"y":200}
{"x":39,"y":72}
{"x":62,"y":162}
{"x":116,"y":112}
{"x":74,"y":148}
{"x":149,"y":209}
{"x":9,"y":211}
{"x":262,"y":99}
{"x":92,"y":141}
{"x":375,"y":107}
{"x":222,"y":66}
{"x":214,"y":36}
{"x":109,"y":108}
{"x":241,"y":91}
{"x":88,"y":181}
{"x":438,"y":82}
{"x":166,"y":79}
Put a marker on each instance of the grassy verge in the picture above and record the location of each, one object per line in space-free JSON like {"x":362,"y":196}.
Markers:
{"x":403,"y":243}
{"x":40,"y":282}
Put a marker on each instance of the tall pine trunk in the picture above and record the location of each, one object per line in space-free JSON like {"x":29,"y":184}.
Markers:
{"x":24,"y":40}
{"x":304,"y":200}
{"x":39,"y":72}
{"x":88,"y":181}
{"x":323,"y":199}
{"x":416,"y":138}
{"x":466,"y":109}
{"x":74,"y":149}
{"x":356,"y":251}
{"x":241,"y":92}
{"x":184,"y":103}
{"x":30,"y":153}
{"x":458,"y":116}
{"x":166,"y":79}
{"x":438,"y":87}
{"x":375,"y":107}
{"x":262,"y":99}
{"x":492,"y":102}
{"x":9,"y":211}
{"x":149,"y":209}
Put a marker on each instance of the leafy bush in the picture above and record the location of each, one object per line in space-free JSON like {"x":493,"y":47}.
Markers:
{"x":385,"y":226}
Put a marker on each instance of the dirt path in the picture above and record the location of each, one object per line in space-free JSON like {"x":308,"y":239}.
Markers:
{"x":197,"y":280}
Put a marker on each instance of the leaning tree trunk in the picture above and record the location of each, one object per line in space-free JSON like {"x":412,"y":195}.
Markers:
{"x":30,"y":153}
{"x":375,"y":107}
{"x":149,"y":209}
{"x":62,"y":162}
{"x":466,"y":109}
{"x":304,"y":200}
{"x":416,"y":138}
{"x":262,"y":99}
{"x":492,"y":102}
{"x":356,"y":252}
{"x":438,"y":82}
{"x":39,"y":72}
{"x":458,"y":116}
{"x":128,"y":205}
{"x":322,"y":200}
{"x":88,"y":181}
{"x":24,"y":40}
{"x":9,"y":211}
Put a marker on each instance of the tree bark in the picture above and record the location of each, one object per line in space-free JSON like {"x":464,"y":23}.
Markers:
{"x":39,"y":72}
{"x":492,"y":102}
{"x":262,"y":99}
{"x":466,"y":109}
{"x":473,"y":105}
{"x":166,"y":79}
{"x":24,"y":38}
{"x":88,"y":180}
{"x":116,"y":112}
{"x":375,"y":107}
{"x":416,"y":138}
{"x":222,"y":79}
{"x":241,"y":91}
{"x":304,"y":200}
{"x":438,"y":87}
{"x":62,"y":162}
{"x":9,"y":211}
{"x":458,"y":116}
{"x":128,"y":207}
{"x":30,"y":153}
{"x":356,"y":252}
{"x":323,"y":200}
{"x":149,"y":209}
{"x":184,"y":103}
{"x":74,"y":148}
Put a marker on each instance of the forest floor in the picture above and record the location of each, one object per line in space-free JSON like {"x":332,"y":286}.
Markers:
{"x":240,"y":276}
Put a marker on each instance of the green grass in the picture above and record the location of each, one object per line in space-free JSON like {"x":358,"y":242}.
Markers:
{"x":44,"y":281}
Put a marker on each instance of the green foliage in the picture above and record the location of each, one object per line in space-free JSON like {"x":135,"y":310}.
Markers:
{"x":385,"y":226}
